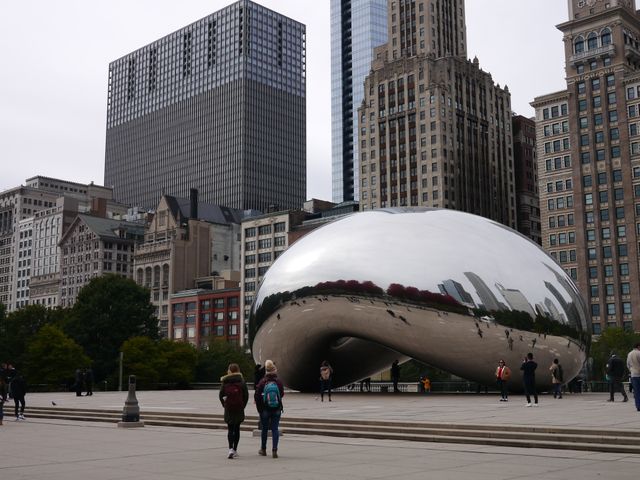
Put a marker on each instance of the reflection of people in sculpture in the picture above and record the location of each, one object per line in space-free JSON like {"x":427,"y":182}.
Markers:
{"x":395,"y":375}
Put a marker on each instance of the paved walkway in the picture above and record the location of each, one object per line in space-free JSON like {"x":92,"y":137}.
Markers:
{"x":578,"y":410}
{"x":58,"y":450}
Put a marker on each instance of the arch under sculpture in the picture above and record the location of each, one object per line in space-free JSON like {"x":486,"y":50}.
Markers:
{"x":454,"y":290}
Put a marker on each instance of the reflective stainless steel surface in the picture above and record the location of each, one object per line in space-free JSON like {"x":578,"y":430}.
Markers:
{"x":453,"y":290}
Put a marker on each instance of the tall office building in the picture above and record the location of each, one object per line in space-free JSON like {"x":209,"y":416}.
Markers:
{"x":526,"y":177}
{"x":220,"y":106}
{"x":357,"y":26}
{"x":588,"y":141}
{"x":434,"y":128}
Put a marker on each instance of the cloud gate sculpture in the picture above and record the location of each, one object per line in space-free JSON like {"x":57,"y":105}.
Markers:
{"x":450,"y":289}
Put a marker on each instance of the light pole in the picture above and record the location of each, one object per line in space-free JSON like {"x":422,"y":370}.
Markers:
{"x":120,"y":379}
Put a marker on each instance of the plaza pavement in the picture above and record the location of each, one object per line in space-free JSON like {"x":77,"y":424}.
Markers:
{"x":45,"y":449}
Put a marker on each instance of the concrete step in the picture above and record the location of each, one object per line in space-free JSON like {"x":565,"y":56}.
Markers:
{"x":621,"y":441}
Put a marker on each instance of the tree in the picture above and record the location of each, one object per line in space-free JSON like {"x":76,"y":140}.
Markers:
{"x":141,"y":357}
{"x":213,"y":361}
{"x":18,"y":328}
{"x":180,"y":358}
{"x":108,"y":311}
{"x":52,"y":357}
{"x":616,"y":340}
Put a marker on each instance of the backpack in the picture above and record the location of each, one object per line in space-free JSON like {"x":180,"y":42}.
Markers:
{"x":325,"y":373}
{"x":271,"y":396}
{"x":558,"y":373}
{"x":234,"y":401}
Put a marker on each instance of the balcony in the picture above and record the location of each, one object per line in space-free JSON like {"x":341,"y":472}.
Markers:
{"x":582,"y":57}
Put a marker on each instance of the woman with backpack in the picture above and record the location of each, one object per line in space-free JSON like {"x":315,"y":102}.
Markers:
{"x":234,"y":396}
{"x":268,"y":397}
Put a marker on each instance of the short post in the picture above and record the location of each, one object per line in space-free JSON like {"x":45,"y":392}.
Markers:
{"x":131,"y":410}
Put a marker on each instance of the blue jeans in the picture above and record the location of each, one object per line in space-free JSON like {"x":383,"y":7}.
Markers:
{"x":635,"y":381}
{"x":557,"y":390}
{"x":270,"y":417}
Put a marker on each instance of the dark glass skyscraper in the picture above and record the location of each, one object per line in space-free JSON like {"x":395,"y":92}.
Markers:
{"x":219,"y":105}
{"x":357,"y":27}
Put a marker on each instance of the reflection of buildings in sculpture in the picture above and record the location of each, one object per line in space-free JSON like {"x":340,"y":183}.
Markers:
{"x":457,"y":291}
{"x":551,"y":308}
{"x":570,"y":308}
{"x":515,"y":299}
{"x":266,"y":237}
{"x":487,"y":298}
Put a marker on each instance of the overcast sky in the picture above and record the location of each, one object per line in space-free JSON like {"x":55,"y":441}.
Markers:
{"x":55,"y":54}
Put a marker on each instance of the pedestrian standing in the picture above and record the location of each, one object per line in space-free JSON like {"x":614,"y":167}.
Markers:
{"x":77,"y":386}
{"x":326,"y":375}
{"x":503,"y":373}
{"x":528,"y":368}
{"x":268,"y":398}
{"x":88,"y":381}
{"x":615,"y":372}
{"x":633,"y":364}
{"x":4,"y":384}
{"x":234,"y":396}
{"x":18,"y":389}
{"x":395,"y":375}
{"x":557,"y":378}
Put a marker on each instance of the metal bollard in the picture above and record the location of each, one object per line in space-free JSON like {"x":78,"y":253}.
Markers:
{"x":131,"y":410}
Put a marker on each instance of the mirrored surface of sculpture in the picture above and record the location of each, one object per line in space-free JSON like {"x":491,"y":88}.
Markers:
{"x":450,"y":289}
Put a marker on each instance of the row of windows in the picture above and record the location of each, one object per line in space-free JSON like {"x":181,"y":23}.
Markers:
{"x":610,"y":309}
{"x":593,"y":41}
{"x":264,"y":229}
{"x":623,"y":270}
{"x":555,"y":111}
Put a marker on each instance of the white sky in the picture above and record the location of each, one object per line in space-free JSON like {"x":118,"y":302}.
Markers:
{"x":54,"y":57}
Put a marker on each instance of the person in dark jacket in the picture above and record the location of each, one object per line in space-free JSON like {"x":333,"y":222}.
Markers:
{"x":4,"y":384}
{"x":77,"y":386}
{"x":326,"y":377}
{"x":88,"y":381}
{"x":234,"y":396}
{"x":269,"y":415}
{"x":18,"y":389}
{"x":528,"y":368}
{"x":615,"y":372}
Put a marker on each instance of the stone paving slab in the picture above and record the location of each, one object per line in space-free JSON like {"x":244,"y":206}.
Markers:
{"x":589,"y":410}
{"x":39,"y":449}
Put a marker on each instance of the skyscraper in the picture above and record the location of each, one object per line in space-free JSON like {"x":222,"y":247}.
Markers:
{"x":357,"y":26}
{"x":434,"y":128}
{"x":220,"y":106}
{"x":588,"y":141}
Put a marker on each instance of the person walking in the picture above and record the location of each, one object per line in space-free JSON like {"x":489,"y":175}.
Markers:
{"x":326,"y":375}
{"x":234,"y":396}
{"x":503,"y":373}
{"x":557,"y":378}
{"x":528,"y":368}
{"x":395,"y":375}
{"x":268,"y":398}
{"x":18,"y":390}
{"x":633,"y":364}
{"x":615,"y":372}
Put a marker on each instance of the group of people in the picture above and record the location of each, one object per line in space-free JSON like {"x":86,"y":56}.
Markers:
{"x":83,"y":382}
{"x":12,"y":385}
{"x":234,"y":396}
{"x":615,"y":372}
